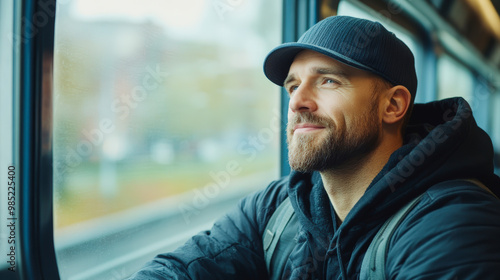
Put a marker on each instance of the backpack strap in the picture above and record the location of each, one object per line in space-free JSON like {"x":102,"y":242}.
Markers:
{"x":373,"y":265}
{"x":278,"y":238}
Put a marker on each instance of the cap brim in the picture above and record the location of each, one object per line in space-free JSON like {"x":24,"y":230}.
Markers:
{"x":278,"y":61}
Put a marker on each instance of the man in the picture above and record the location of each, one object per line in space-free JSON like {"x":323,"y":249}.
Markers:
{"x":358,"y":157}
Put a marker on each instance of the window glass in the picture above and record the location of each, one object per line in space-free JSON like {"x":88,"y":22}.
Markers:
{"x":453,"y":79}
{"x":163,"y":119}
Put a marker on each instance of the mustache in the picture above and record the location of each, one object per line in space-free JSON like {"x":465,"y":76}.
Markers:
{"x":308,"y":117}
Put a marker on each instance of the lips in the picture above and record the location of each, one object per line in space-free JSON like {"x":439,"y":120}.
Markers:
{"x":307,"y":127}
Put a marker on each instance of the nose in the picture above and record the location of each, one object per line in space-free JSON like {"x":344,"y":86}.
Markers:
{"x":302,"y":100}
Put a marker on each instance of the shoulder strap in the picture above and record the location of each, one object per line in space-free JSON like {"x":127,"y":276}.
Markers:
{"x":373,"y":265}
{"x":278,"y":238}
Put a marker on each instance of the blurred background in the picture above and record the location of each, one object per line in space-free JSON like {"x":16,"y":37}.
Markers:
{"x":159,"y":107}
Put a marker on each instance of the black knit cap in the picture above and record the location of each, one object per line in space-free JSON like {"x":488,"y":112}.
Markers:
{"x":360,"y":43}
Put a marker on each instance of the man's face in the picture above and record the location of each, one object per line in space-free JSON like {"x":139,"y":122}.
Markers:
{"x":333,"y":116}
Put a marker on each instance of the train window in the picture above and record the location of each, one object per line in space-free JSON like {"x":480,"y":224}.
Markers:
{"x":453,"y":79}
{"x":163,"y":119}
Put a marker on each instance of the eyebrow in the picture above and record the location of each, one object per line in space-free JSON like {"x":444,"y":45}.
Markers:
{"x":331,"y":71}
{"x":320,"y":71}
{"x":289,"y":79}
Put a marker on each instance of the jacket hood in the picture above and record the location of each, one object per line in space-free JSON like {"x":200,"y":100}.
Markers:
{"x":443,"y":142}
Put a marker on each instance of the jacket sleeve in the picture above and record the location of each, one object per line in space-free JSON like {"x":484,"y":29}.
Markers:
{"x":232,"y":249}
{"x":453,"y":233}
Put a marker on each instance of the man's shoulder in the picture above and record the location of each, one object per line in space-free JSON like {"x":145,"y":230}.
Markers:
{"x":454,"y":209}
{"x":272,"y":195}
{"x":461,"y":190}
{"x":261,"y":204}
{"x":454,"y":203}
{"x":454,"y":225}
{"x":278,"y":190}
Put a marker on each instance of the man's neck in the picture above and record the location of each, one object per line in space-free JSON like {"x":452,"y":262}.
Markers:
{"x":346,"y":185}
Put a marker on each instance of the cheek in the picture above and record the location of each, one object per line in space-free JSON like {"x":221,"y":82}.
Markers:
{"x":336,"y":112}
{"x":290,"y":119}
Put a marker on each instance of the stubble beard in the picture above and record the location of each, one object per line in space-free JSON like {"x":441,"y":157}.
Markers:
{"x":332,"y":147}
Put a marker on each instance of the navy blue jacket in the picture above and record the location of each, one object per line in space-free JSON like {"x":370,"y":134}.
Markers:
{"x":453,"y":232}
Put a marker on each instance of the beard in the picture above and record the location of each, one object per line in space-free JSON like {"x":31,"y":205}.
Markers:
{"x":332,"y":147}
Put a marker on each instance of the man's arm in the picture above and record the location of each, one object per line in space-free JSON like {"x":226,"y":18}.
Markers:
{"x":232,"y":249}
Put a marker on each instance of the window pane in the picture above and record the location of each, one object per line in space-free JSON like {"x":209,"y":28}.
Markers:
{"x":453,"y":78}
{"x":163,"y":119}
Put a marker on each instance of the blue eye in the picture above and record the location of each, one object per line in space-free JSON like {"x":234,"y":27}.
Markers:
{"x":292,"y":89}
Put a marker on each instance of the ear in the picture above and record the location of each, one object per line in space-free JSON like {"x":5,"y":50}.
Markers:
{"x":398,"y":102}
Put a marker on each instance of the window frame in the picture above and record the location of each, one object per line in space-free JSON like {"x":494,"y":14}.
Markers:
{"x":36,"y":32}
